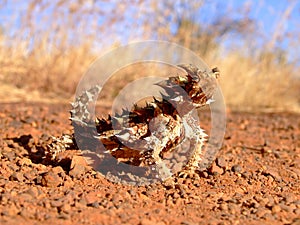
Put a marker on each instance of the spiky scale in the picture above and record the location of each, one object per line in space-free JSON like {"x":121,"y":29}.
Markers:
{"x":154,"y":129}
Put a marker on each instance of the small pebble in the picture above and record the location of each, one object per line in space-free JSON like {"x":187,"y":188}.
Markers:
{"x":236,"y":168}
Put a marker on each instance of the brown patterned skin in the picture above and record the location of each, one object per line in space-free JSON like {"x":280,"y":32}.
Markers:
{"x":142,"y":136}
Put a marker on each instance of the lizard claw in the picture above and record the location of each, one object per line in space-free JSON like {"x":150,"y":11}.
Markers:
{"x":187,"y":172}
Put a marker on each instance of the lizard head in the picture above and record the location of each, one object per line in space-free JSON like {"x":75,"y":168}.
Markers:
{"x":199,"y":85}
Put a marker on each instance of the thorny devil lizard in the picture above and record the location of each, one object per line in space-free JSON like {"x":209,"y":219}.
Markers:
{"x":142,"y":137}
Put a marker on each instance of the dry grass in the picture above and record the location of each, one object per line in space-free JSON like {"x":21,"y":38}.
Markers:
{"x":251,"y":85}
{"x":49,"y":72}
{"x":51,"y":61}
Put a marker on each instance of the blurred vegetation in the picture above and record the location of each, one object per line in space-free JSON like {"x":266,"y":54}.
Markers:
{"x":48,"y":45}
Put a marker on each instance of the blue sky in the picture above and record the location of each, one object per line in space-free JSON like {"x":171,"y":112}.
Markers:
{"x":267,"y":15}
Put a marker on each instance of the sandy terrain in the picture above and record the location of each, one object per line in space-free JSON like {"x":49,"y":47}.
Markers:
{"x":254,"y":180}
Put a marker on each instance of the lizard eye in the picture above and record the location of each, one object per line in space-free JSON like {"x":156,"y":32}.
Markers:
{"x":196,"y":79}
{"x":216,"y":71}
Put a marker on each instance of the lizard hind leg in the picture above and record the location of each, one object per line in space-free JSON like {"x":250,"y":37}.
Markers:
{"x":80,"y":117}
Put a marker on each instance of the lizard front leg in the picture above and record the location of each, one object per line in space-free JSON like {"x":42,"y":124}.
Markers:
{"x":196,"y":137}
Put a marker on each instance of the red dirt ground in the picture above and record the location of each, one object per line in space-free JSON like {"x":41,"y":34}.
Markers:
{"x":254,"y":180}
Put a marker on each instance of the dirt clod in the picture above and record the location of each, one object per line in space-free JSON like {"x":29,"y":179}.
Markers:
{"x":51,"y":179}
